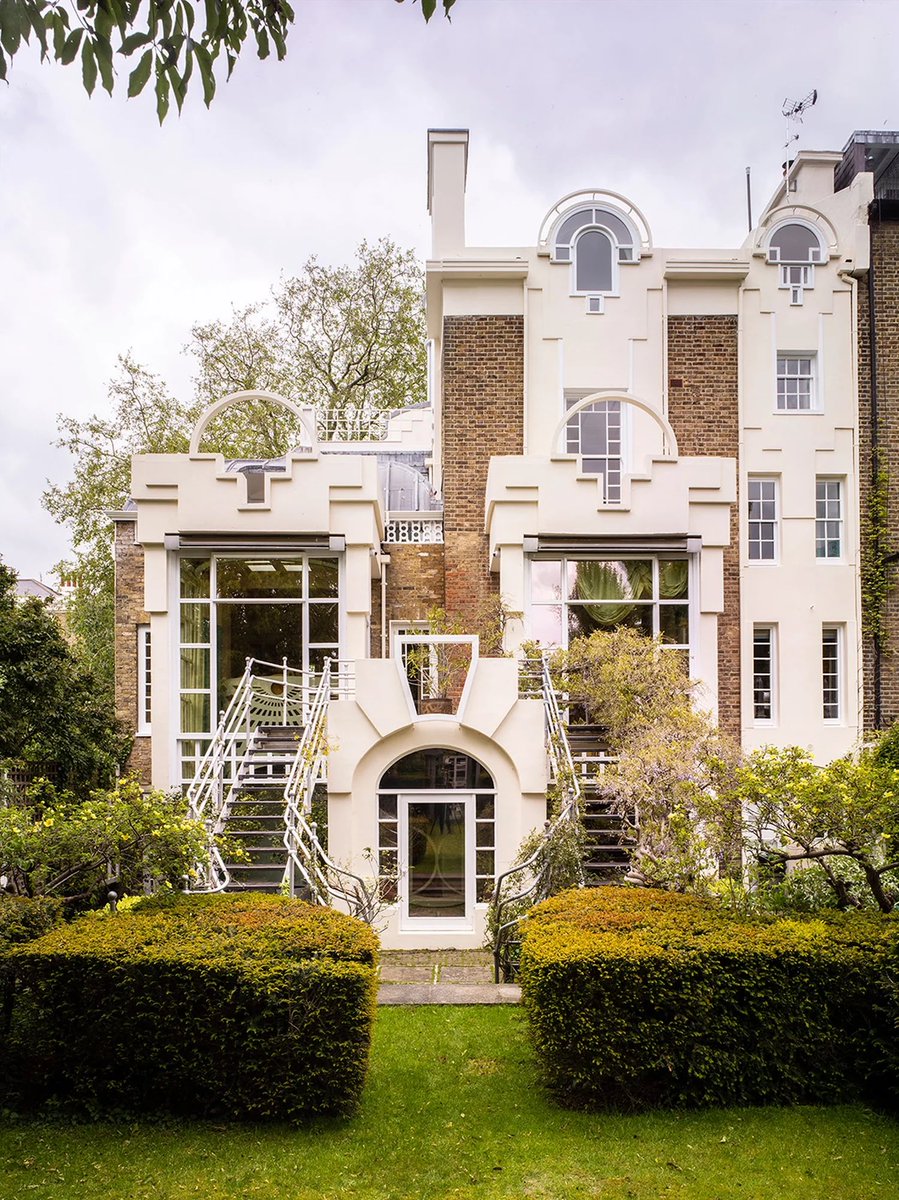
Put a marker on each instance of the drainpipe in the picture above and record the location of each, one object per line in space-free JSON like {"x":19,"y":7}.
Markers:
{"x":875,"y":457}
{"x":384,"y":560}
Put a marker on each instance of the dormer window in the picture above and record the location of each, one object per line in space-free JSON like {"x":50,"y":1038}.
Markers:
{"x":594,"y":241}
{"x":795,"y":247}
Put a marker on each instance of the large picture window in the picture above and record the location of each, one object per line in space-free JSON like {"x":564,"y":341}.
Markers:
{"x":574,"y":596}
{"x":234,"y":608}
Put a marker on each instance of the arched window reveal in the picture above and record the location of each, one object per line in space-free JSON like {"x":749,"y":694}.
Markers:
{"x":595,"y":240}
{"x":795,"y":248}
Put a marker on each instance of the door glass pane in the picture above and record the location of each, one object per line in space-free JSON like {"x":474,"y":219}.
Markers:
{"x":269,"y":632}
{"x":436,"y":855}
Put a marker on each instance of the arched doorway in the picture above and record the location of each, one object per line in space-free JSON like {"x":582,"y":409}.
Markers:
{"x":436,"y":824}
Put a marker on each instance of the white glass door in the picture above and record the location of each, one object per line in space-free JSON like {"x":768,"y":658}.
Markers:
{"x":437,"y":875}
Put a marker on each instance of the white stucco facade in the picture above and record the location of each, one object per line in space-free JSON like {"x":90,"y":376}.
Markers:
{"x":605,"y":494}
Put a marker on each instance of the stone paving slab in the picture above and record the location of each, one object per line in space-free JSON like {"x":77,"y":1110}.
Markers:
{"x":449,"y":993}
{"x":409,"y":967}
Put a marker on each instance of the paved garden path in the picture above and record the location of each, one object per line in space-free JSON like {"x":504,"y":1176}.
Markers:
{"x":442,"y":977}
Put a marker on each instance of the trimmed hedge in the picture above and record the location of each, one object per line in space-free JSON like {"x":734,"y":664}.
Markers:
{"x":638,"y":997}
{"x":237,"y":1005}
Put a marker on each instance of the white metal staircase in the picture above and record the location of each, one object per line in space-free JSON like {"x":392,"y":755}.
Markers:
{"x":255,"y":786}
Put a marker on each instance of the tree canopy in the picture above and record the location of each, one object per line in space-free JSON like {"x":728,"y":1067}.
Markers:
{"x":166,"y":40}
{"x":51,"y":711}
{"x":348,"y":339}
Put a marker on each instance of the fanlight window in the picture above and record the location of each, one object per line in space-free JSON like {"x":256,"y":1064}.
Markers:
{"x":617,"y":229}
{"x":795,"y":248}
{"x":794,"y":243}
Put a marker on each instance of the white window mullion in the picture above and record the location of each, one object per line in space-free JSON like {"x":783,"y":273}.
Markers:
{"x":764,"y":674}
{"x":144,"y":680}
{"x":832,"y":673}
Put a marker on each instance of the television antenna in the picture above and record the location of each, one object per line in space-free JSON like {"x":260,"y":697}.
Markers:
{"x":794,"y":111}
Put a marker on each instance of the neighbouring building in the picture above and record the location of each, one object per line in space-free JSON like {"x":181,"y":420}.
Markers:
{"x":686,"y":441}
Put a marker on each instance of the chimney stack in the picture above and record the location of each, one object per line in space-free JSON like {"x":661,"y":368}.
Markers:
{"x":447,"y":171}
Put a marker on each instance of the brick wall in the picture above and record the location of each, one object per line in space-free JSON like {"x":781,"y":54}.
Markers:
{"x":414,"y":586}
{"x":885,"y":260}
{"x":129,"y":613}
{"x":483,"y":415}
{"x":703,"y":411}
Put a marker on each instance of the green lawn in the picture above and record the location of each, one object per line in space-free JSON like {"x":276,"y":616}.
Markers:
{"x":453,"y":1109}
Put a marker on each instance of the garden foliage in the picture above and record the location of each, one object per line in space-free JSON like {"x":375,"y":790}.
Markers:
{"x":638,"y":997}
{"x":58,"y":844}
{"x":247,"y":1006}
{"x":23,"y":919}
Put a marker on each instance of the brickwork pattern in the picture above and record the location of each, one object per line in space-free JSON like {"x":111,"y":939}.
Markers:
{"x":483,"y":416}
{"x":414,"y":586}
{"x":129,"y":613}
{"x":885,"y":259}
{"x":704,"y":413}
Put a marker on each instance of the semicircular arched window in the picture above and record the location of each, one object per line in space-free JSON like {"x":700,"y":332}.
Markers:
{"x":795,"y":247}
{"x":594,"y":240}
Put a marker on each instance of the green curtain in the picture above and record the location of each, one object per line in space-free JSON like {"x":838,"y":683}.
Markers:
{"x":603,"y":581}
{"x":673,"y":579}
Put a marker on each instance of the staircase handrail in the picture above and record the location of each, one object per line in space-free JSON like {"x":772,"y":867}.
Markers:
{"x":208,"y":797}
{"x":562,"y":773}
{"x":207,"y":771}
{"x":325,"y":880}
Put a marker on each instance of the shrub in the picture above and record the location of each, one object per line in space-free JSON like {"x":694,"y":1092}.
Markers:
{"x":23,"y":919}
{"x":237,"y":1005}
{"x":638,"y":997}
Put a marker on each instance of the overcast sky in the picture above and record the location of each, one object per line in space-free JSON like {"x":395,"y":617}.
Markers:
{"x":116,"y":234}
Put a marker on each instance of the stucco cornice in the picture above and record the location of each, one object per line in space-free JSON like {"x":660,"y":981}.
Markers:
{"x":720,"y":269}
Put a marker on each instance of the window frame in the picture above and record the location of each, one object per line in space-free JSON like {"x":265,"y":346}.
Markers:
{"x":806,"y":266}
{"x":614,"y":281}
{"x":144,"y":681}
{"x":839,"y":521}
{"x":627,"y":252}
{"x":832,"y":635}
{"x":191,"y":744}
{"x":571,"y":398}
{"x":772,"y":717}
{"x":794,"y":356}
{"x":656,"y":602}
{"x":774,"y":558}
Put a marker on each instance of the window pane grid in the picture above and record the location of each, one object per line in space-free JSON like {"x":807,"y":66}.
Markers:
{"x":830,"y":674}
{"x":795,"y":383}
{"x":828,"y":519}
{"x":595,"y":434}
{"x":763,"y":673}
{"x":573,"y":597}
{"x":268,"y":607}
{"x":762,"y":520}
